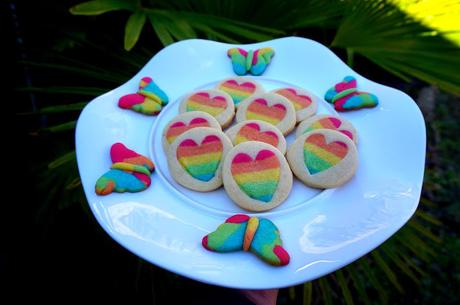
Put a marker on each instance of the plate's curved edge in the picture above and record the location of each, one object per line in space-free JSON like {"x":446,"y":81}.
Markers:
{"x":178,"y":44}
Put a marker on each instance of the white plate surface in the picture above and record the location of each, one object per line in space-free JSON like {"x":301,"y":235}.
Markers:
{"x":321,"y":230}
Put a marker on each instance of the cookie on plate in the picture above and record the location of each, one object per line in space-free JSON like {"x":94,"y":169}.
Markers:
{"x":215,"y":102}
{"x":195,"y":158}
{"x":186,"y":121}
{"x":240,"y":88}
{"x":323,"y":158}
{"x":256,"y":130}
{"x":304,"y":102}
{"x":256,"y":176}
{"x":244,"y":233}
{"x":269,"y":107}
{"x":327,"y":121}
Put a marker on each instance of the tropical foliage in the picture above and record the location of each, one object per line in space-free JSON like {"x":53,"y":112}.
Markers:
{"x":400,"y":38}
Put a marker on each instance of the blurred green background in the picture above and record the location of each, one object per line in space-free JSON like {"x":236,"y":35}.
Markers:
{"x":68,"y":52}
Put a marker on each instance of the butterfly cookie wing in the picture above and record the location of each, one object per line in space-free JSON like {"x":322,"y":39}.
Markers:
{"x":229,"y":236}
{"x":260,"y":61}
{"x":267,"y":244}
{"x":238,"y":57}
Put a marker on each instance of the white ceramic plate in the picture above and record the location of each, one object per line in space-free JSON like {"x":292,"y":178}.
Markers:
{"x":322,"y":230}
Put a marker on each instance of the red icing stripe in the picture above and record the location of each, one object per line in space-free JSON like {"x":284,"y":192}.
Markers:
{"x":282,"y":255}
{"x":238,"y":218}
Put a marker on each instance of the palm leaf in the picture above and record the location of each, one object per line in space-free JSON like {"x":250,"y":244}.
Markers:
{"x":98,"y":7}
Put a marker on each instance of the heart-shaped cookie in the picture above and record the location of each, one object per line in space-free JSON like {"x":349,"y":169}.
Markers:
{"x":239,"y":88}
{"x":200,"y":160}
{"x":256,"y":176}
{"x":323,"y":158}
{"x":304,"y":102}
{"x":215,"y":102}
{"x":268,"y":107}
{"x":328,"y":122}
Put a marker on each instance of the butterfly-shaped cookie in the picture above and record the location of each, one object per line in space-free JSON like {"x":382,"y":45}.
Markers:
{"x":254,"y":62}
{"x":241,"y":232}
{"x":148,"y":100}
{"x":345,"y":96}
{"x":130,"y":172}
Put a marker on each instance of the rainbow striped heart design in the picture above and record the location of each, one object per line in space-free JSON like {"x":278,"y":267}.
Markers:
{"x":259,"y":110}
{"x":179,"y":128}
{"x":201,"y":101}
{"x":320,"y":156}
{"x":329,"y":123}
{"x":299,"y":101}
{"x":257,"y":178}
{"x":237,"y":91}
{"x":200,"y":161}
{"x":251,"y":132}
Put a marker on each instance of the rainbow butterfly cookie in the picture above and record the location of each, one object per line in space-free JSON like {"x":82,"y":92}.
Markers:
{"x":195,"y":158}
{"x":269,"y":107}
{"x":256,"y":130}
{"x":184,"y":122}
{"x":305,"y":103}
{"x":149,"y":99}
{"x":256,"y":176}
{"x":240,"y":88}
{"x":215,"y":102}
{"x":130,"y":172}
{"x":254,"y":62}
{"x":328,"y":122}
{"x":243,"y":233}
{"x":345,"y":96}
{"x":323,"y":158}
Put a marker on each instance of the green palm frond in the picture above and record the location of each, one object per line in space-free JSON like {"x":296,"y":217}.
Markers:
{"x":400,"y":44}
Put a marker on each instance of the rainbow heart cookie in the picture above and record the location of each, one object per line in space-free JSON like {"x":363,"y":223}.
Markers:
{"x":195,"y":158}
{"x":130,"y":172}
{"x":243,"y":233}
{"x":186,"y":121}
{"x":240,"y":88}
{"x":256,"y":130}
{"x":323,"y":158}
{"x":345,"y":96}
{"x":215,"y":102}
{"x":269,"y":107}
{"x":305,"y":103}
{"x":149,"y":99}
{"x":251,"y":61}
{"x":256,"y":176}
{"x":328,"y":122}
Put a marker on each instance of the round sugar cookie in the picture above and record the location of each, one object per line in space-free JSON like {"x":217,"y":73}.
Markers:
{"x":305,"y":103}
{"x":195,"y":158}
{"x":215,"y":102}
{"x":240,"y":88}
{"x":327,"y":121}
{"x":256,"y":176}
{"x":269,"y":107}
{"x":186,"y":121}
{"x":323,"y":158}
{"x":256,"y":130}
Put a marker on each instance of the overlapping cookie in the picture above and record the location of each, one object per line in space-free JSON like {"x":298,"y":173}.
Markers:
{"x":240,"y":88}
{"x":196,"y":157}
{"x":215,"y":102}
{"x":256,"y":176}
{"x":256,"y":130}
{"x":323,"y":158}
{"x":327,"y":121}
{"x":130,"y":172}
{"x":186,"y":121}
{"x":304,"y":102}
{"x":269,"y":107}
{"x":243,"y":233}
{"x":254,"y":62}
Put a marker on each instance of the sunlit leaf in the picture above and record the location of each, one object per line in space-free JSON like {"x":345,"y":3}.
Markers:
{"x":344,"y":287}
{"x":307,"y":293}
